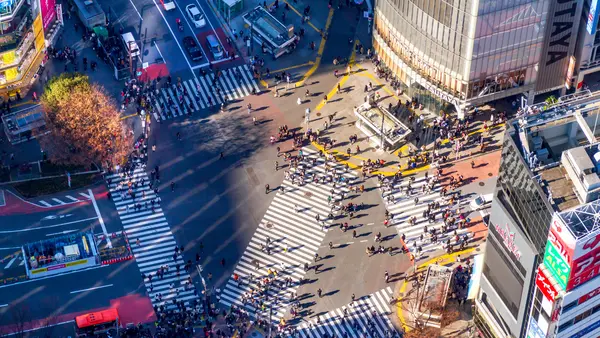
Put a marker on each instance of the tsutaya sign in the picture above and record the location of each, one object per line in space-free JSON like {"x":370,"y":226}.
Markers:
{"x":508,"y":238}
{"x":561,"y":30}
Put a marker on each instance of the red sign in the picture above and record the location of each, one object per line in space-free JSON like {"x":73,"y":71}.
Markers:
{"x":48,"y":12}
{"x":543,"y":283}
{"x":588,"y":296}
{"x":584,"y":269}
{"x":555,"y":238}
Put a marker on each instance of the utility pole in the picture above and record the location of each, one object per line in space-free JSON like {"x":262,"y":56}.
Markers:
{"x":131,"y":60}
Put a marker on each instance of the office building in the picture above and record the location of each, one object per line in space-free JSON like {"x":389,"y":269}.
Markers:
{"x":538,"y":182}
{"x":465,"y":53}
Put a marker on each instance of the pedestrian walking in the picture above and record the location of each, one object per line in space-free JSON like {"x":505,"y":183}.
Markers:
{"x":299,"y":101}
{"x":325,"y":99}
{"x":221,"y":156}
{"x":472,"y":164}
{"x":387,"y":277}
{"x":320,"y":293}
{"x":267,"y":188}
{"x":339,"y":88}
{"x":223,"y":262}
{"x":172,"y":186}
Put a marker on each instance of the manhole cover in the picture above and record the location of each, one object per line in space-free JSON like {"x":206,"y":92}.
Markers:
{"x":269,"y":225}
{"x":490,"y":174}
{"x":318,"y":114}
{"x":478,"y":249}
{"x":481,"y":184}
{"x":308,"y":194}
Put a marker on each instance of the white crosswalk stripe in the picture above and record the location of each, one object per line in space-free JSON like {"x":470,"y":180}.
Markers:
{"x":401,"y":205}
{"x":294,"y":233}
{"x":152,"y":241}
{"x":367,"y":317}
{"x":235,"y":83}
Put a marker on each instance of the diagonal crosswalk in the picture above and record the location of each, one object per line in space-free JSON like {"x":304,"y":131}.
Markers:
{"x":366,"y":317}
{"x":152,"y":241}
{"x":288,"y":236}
{"x":400,"y":202}
{"x":203,"y":92}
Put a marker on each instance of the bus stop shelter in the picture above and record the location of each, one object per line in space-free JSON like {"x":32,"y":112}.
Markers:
{"x":381,"y":126}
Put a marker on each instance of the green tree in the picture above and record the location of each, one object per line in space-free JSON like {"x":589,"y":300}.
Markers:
{"x":84,"y":123}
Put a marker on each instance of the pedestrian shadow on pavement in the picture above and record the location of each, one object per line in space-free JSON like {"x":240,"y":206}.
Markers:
{"x":336,"y":100}
{"x":388,"y":237}
{"x":331,"y":293}
{"x":261,"y":108}
{"x":341,"y":246}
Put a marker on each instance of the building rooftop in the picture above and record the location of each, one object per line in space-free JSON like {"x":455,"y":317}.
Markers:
{"x":554,"y":179}
{"x":582,"y":220}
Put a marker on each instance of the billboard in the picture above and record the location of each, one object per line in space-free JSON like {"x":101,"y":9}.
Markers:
{"x":48,"y":8}
{"x":534,"y":330}
{"x":556,"y":264}
{"x":562,"y":238}
{"x":592,"y":20}
{"x":545,"y":285}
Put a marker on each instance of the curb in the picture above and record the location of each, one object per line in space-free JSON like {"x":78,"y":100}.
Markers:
{"x":117,"y":260}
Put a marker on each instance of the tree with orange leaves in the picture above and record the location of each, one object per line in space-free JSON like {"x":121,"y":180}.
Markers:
{"x":84,"y":122}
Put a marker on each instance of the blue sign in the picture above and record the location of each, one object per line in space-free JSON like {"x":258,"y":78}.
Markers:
{"x":586,"y":330}
{"x":534,"y":330}
{"x":592,"y":22}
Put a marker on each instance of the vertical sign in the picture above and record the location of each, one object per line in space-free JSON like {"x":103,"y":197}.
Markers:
{"x":554,"y":262}
{"x":48,"y":11}
{"x":545,"y":285}
{"x":592,"y":21}
{"x":570,"y":72}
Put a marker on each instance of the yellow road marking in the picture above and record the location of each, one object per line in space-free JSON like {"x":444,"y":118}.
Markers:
{"x":353,"y":166}
{"x":300,"y":15}
{"x":128,"y":116}
{"x":309,"y":63}
{"x":319,"y":52}
{"x":343,"y":80}
{"x":440,"y":260}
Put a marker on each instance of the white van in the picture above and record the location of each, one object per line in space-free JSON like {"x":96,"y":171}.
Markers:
{"x":130,"y":44}
{"x":214,"y":47}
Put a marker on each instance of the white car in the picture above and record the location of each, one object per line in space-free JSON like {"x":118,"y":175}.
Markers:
{"x":195,"y":15}
{"x":481,"y":201}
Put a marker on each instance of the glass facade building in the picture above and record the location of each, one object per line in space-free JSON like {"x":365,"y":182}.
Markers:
{"x":463,"y":52}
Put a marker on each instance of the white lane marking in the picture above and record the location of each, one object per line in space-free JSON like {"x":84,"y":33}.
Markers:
{"x":61,"y":233}
{"x":72,"y":198}
{"x":46,"y":227}
{"x":202,"y":65}
{"x":45,"y":203}
{"x":4,"y":305}
{"x":10,"y":262}
{"x":100,"y":218}
{"x":158,"y":50}
{"x":175,"y":37}
{"x":58,"y":201}
{"x":366,"y":240}
{"x":136,"y":10}
{"x":90,"y":289}
{"x":85,"y":195}
{"x":11,"y":248}
{"x":370,"y":223}
{"x":53,"y":276}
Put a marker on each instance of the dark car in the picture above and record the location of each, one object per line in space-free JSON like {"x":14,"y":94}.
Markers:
{"x":192,"y":48}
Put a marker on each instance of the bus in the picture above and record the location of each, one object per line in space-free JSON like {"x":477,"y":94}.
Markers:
{"x":272,"y":36}
{"x":94,"y":323}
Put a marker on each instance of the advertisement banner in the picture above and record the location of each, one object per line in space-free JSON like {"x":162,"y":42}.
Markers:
{"x":592,"y":21}
{"x":556,"y":265}
{"x":588,"y":296}
{"x":545,"y":285}
{"x":534,"y":330}
{"x":584,"y":269}
{"x":48,"y":12}
{"x":584,"y":247}
{"x":562,"y":239}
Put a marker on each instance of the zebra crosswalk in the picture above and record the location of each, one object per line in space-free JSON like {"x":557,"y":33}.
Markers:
{"x":288,"y":236}
{"x":402,"y":206}
{"x":151,"y":239}
{"x":366,"y":317}
{"x":201,"y":92}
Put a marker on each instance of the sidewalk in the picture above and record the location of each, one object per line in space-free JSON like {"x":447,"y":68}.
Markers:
{"x":342,"y":127}
{"x":462,"y":321}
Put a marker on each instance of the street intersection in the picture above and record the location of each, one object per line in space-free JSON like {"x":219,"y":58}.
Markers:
{"x":208,"y":227}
